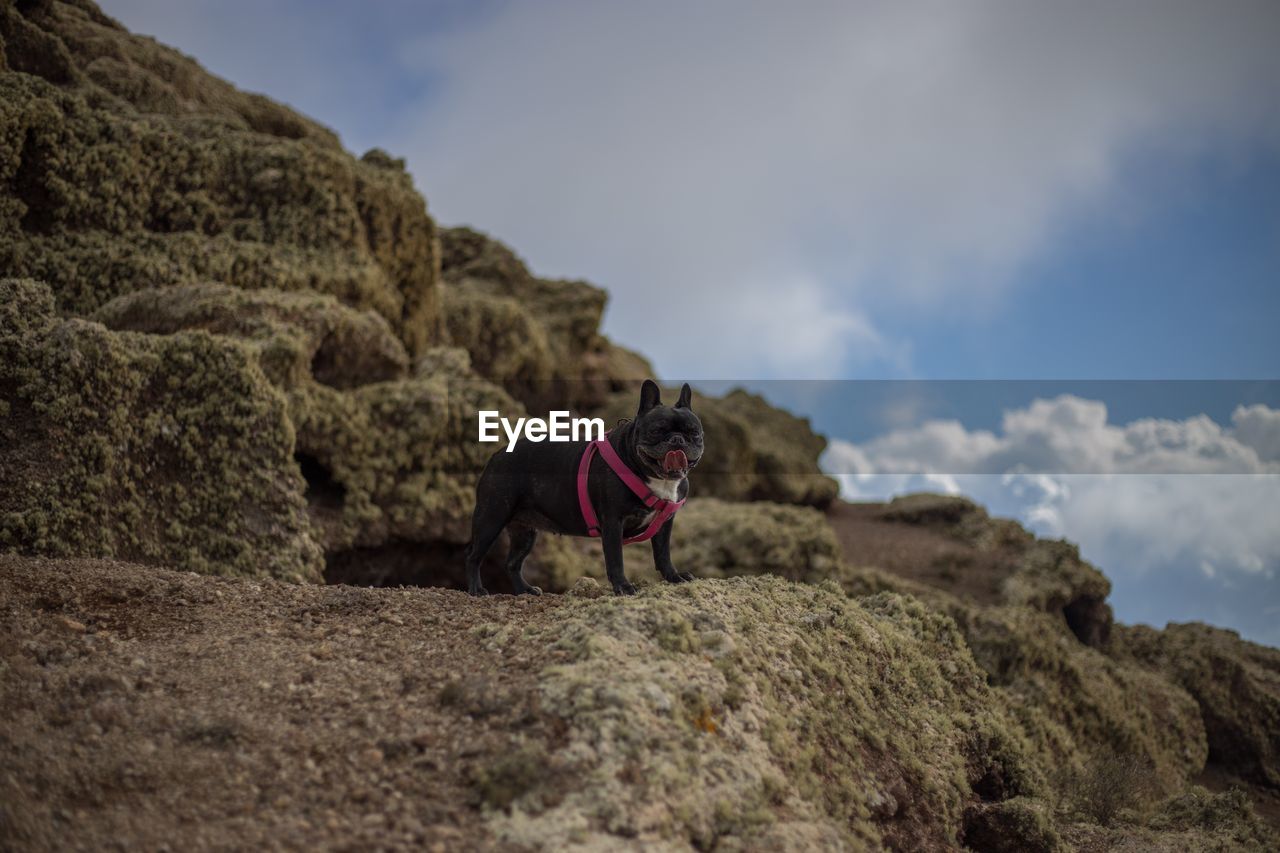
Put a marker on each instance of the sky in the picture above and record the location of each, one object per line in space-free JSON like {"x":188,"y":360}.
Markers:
{"x":897,"y":192}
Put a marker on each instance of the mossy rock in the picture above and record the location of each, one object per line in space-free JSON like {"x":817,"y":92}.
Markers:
{"x":171,"y":450}
{"x":389,"y":456}
{"x":724,"y":539}
{"x":1189,"y":822}
{"x":1235,"y":683}
{"x":957,"y":516}
{"x":130,"y":168}
{"x":1076,"y":704}
{"x":957,"y":547}
{"x":712,"y":539}
{"x":299,"y":336}
{"x":399,"y":459}
{"x":754,"y":713}
{"x":539,"y":338}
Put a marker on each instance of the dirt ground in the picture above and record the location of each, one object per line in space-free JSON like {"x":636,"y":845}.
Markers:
{"x":147,"y":709}
{"x":919,"y":553}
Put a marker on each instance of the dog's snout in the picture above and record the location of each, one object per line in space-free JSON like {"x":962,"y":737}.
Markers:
{"x":676,"y":440}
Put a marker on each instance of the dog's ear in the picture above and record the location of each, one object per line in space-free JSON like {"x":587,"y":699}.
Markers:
{"x":650,"y":396}
{"x":686,"y":396}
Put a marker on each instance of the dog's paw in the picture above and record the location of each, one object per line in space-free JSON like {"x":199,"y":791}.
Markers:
{"x":624,"y":588}
{"x":678,"y":577}
{"x":530,"y":589}
{"x":477,"y":591}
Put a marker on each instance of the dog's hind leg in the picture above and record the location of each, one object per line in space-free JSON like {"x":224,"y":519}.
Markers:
{"x":522,"y":542}
{"x":486,"y":526}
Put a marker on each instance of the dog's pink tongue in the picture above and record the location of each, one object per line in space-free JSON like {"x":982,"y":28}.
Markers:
{"x":675,"y":460}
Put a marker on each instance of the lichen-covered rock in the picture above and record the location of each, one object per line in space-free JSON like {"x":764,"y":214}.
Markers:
{"x":1235,"y":683}
{"x":1075,"y":703}
{"x":157,"y":198}
{"x":395,"y":461}
{"x":74,"y":42}
{"x":755,"y":452}
{"x":171,"y":450}
{"x":725,"y":539}
{"x":739,"y":714}
{"x":297,"y":335}
{"x":538,"y":338}
{"x":713,"y":539}
{"x":129,"y":167}
{"x":1218,"y":818}
{"x":754,"y":713}
{"x":387,"y":456}
{"x":991,"y":560}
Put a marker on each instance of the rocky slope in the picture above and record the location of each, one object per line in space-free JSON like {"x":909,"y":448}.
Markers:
{"x":145,"y":707}
{"x":237,"y":362}
{"x":150,"y":197}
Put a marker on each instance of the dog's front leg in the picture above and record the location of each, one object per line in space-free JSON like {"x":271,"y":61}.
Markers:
{"x":611,"y":538}
{"x":662,"y":555}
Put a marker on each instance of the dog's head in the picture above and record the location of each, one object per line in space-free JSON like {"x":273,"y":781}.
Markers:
{"x":668,"y":438}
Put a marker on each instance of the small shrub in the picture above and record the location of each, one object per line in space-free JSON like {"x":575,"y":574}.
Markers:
{"x":1107,"y":786}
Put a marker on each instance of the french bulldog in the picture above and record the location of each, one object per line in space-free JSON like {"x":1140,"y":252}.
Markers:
{"x":534,"y":488}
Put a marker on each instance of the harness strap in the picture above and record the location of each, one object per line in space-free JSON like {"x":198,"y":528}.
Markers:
{"x":663,"y":509}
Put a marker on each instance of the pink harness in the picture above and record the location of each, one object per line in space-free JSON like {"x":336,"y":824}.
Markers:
{"x":663,"y":509}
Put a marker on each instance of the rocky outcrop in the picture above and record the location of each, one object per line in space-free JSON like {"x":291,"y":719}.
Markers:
{"x":747,"y":713}
{"x":1235,"y":683}
{"x":1079,"y":707}
{"x":1019,"y":601}
{"x":538,"y":338}
{"x":950,"y":543}
{"x":172,"y":450}
{"x":388,"y":453}
{"x":128,"y":167}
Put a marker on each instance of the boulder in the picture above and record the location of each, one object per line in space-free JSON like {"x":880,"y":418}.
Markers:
{"x":172,"y":450}
{"x":1235,"y":683}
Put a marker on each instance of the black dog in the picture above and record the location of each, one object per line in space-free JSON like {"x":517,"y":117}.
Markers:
{"x":535,"y":487}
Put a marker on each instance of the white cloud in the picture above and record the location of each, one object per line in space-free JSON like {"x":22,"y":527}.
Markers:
{"x":1258,"y":427}
{"x":1137,"y":497}
{"x":693,"y":157}
{"x":1070,"y":435}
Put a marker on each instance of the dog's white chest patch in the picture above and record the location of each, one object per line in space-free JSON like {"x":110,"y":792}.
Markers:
{"x":668,"y":490}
